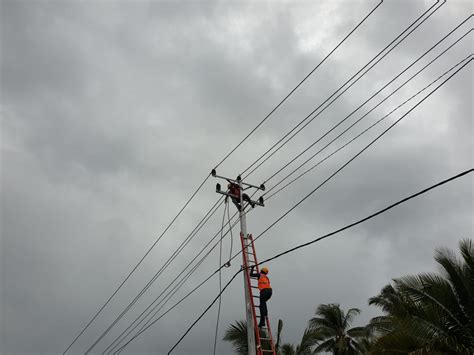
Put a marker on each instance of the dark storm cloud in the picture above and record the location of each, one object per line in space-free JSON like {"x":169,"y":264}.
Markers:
{"x":113,"y":112}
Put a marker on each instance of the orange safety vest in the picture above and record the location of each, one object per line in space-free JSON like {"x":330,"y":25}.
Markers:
{"x":263,"y":282}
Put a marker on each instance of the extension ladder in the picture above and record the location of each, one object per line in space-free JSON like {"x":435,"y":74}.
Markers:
{"x":263,"y":336}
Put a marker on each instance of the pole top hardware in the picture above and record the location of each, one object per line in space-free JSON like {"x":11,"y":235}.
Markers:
{"x":237,"y":180}
{"x":243,"y":186}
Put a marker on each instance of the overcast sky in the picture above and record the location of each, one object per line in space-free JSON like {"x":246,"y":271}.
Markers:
{"x":113,"y":112}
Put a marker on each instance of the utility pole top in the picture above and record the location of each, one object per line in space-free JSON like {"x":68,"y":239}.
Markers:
{"x":235,"y":194}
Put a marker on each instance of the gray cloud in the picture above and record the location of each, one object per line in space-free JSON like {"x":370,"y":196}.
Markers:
{"x":113,"y":112}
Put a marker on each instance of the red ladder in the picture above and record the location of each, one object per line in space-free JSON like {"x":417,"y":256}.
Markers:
{"x":263,"y":340}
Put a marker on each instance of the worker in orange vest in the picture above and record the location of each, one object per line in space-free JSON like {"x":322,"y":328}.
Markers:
{"x":265,"y":292}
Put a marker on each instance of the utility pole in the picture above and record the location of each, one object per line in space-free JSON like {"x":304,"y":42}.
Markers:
{"x":243,"y":230}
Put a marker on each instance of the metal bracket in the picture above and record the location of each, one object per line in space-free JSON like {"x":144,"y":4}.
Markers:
{"x":237,"y":181}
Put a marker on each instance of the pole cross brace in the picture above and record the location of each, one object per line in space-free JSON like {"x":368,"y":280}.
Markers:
{"x":252,"y":203}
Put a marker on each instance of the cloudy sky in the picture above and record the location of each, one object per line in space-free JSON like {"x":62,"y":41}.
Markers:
{"x":113,"y":112}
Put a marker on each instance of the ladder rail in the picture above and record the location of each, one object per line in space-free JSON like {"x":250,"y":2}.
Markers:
{"x":247,"y":280}
{"x":272,"y":345}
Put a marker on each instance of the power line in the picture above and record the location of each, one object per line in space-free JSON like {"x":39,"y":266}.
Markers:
{"x":161,"y":304}
{"x":128,"y":331}
{"x":365,"y":130}
{"x":205,"y":311}
{"x":420,"y":58}
{"x":369,"y":217}
{"x":299,"y":84}
{"x":363,"y":150}
{"x":207,"y":177}
{"x":158,"y":273}
{"x":173,"y":291}
{"x":151,"y":323}
{"x":429,"y":15}
{"x":321,"y":238}
{"x":337,"y":171}
{"x":302,"y":122}
{"x":137,"y":265}
{"x":220,"y":283}
{"x":353,"y":124}
{"x":358,"y":154}
{"x":208,"y":215}
{"x":375,"y":94}
{"x":169,"y":310}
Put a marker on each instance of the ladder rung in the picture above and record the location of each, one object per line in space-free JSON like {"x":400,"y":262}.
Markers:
{"x":253,"y":286}
{"x":264,"y":338}
{"x":267,"y":351}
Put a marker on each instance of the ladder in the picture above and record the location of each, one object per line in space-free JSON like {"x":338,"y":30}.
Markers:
{"x":263,"y":336}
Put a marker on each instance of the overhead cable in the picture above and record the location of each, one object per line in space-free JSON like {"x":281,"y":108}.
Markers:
{"x":176,"y":280}
{"x":155,"y":307}
{"x":207,"y":177}
{"x":150,"y":323}
{"x":203,"y":221}
{"x":363,"y":149}
{"x":220,"y":282}
{"x":366,"y":129}
{"x":298,"y":85}
{"x":303,"y":123}
{"x":322,"y":238}
{"x":378,"y":91}
{"x":267,"y":192}
{"x":343,"y":166}
{"x":417,"y":26}
{"x":137,"y":265}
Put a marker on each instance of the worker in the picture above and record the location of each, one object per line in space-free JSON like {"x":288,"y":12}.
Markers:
{"x":234,"y":190}
{"x":265,"y":292}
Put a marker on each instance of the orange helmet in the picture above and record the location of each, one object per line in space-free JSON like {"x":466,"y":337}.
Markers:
{"x":264,"y":270}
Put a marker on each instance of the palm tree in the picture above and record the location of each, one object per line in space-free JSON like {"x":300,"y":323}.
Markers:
{"x":308,"y":341}
{"x":429,"y":313}
{"x":237,"y":335}
{"x":330,"y":327}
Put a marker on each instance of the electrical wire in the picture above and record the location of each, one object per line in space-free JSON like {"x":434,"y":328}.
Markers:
{"x":363,"y":150}
{"x":340,"y":169}
{"x":151,"y":323}
{"x":231,"y":236}
{"x":368,"y":217}
{"x":137,"y":265}
{"x":405,"y":37}
{"x":175,"y":280}
{"x":353,"y":124}
{"x":298,"y":85}
{"x":117,"y":340}
{"x":365,"y":130}
{"x":220,"y":282}
{"x":205,"y":311}
{"x":158,"y":273}
{"x":378,"y":91}
{"x":322,"y":238}
{"x":207,"y":177}
{"x":298,"y":128}
{"x":172,"y":292}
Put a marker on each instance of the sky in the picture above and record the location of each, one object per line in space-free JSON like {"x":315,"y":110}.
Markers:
{"x":113,"y":112}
